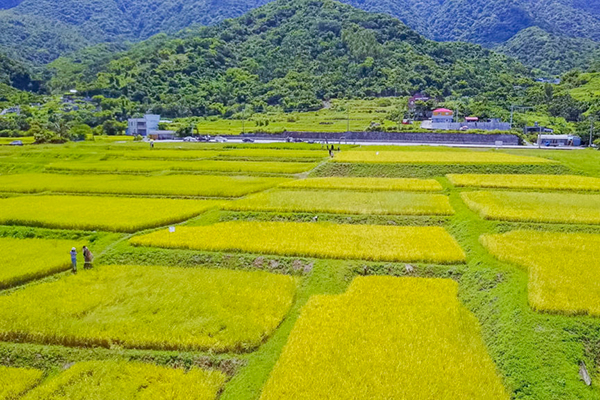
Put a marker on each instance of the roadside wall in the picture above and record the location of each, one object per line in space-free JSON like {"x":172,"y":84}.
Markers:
{"x":399,"y":137}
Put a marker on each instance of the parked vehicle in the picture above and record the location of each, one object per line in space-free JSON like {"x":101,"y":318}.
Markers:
{"x":247,"y":140}
{"x":16,"y":143}
{"x":220,"y":139}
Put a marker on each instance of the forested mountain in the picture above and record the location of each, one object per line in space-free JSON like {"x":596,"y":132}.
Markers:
{"x":41,"y":30}
{"x":551,"y":54}
{"x":15,"y":74}
{"x":295,"y":54}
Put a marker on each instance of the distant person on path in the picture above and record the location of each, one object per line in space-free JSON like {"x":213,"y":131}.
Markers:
{"x":330,"y":151}
{"x":88,"y":258}
{"x":151,"y":143}
{"x":73,"y":254}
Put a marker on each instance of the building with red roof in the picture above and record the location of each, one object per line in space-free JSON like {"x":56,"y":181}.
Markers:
{"x":442,"y":115}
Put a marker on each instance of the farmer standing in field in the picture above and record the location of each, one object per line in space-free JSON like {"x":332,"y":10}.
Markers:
{"x":73,"y":254}
{"x":88,"y":258}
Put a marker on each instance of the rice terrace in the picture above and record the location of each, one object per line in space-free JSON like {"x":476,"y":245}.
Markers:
{"x":272,"y":271}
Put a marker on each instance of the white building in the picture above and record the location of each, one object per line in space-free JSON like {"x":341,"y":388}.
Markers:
{"x":143,"y":126}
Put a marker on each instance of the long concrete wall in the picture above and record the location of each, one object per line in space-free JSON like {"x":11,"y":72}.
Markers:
{"x":485,"y":126}
{"x":399,"y":137}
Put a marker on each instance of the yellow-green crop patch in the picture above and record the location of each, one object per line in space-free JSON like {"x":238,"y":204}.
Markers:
{"x":163,"y":185}
{"x":121,"y":380}
{"x":116,"y":214}
{"x":513,"y":181}
{"x":345,"y":202}
{"x":535,"y":207}
{"x":436,"y":157}
{"x":163,"y":165}
{"x":366,"y":184}
{"x":27,"y":259}
{"x":368,"y":242}
{"x":563,"y":268}
{"x":16,"y":381}
{"x":167,"y":308}
{"x":386,"y":338}
{"x":275,"y":154}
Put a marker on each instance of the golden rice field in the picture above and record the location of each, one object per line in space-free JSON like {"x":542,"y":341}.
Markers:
{"x":207,"y":153}
{"x":121,"y":380}
{"x":27,"y":259}
{"x":436,"y":157}
{"x":344,"y":202}
{"x":166,"y":308}
{"x":535,"y":207}
{"x":563,"y":268}
{"x":386,"y":338}
{"x":366,"y":242}
{"x":16,"y":381}
{"x":115,"y":214}
{"x":366,"y":184}
{"x":508,"y":181}
{"x":140,"y":166}
{"x":161,"y":185}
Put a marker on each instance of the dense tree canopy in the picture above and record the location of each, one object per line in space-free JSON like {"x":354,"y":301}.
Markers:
{"x":294,"y":54}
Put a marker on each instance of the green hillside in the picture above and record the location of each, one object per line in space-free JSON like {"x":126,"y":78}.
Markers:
{"x":42,"y":30}
{"x":551,"y":54}
{"x":295,"y":54}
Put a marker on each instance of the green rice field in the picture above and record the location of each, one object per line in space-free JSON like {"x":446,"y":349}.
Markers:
{"x":262,"y":271}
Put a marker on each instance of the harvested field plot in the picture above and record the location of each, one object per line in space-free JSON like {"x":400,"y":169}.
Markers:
{"x":435,"y":157}
{"x":367,"y":184}
{"x":563,"y":268}
{"x":209,"y":165}
{"x":535,"y":207}
{"x":345,"y":202}
{"x":386,"y":338}
{"x":16,"y":381}
{"x":112,"y":380}
{"x":164,"y":308}
{"x":549,"y":182}
{"x":27,"y":259}
{"x":368,"y":242}
{"x":116,"y":214}
{"x":166,"y":185}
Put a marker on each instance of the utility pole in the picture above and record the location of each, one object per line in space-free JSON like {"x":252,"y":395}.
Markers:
{"x":591,"y":129}
{"x":244,"y":121}
{"x":348,"y":120}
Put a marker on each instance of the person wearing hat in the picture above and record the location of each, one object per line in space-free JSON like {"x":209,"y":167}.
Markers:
{"x":74,"y":259}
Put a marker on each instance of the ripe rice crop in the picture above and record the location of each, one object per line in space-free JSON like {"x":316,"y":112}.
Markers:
{"x":386,"y":338}
{"x":121,"y":380}
{"x":535,"y":207}
{"x":435,"y":157}
{"x":16,"y":381}
{"x":115,"y":214}
{"x":275,"y":154}
{"x":166,"y":308}
{"x":563,"y":268}
{"x":550,"y":182}
{"x":164,"y":165}
{"x":168,"y":185}
{"x":27,"y":259}
{"x":368,"y":242}
{"x":165,"y":154}
{"x":367,"y":184}
{"x":345,"y":202}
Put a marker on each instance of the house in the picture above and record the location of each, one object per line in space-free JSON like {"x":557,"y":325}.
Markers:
{"x":537,"y":128}
{"x":442,"y":116}
{"x":143,"y":126}
{"x":559,"y":140}
{"x":416,"y":106}
{"x":11,"y":110}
